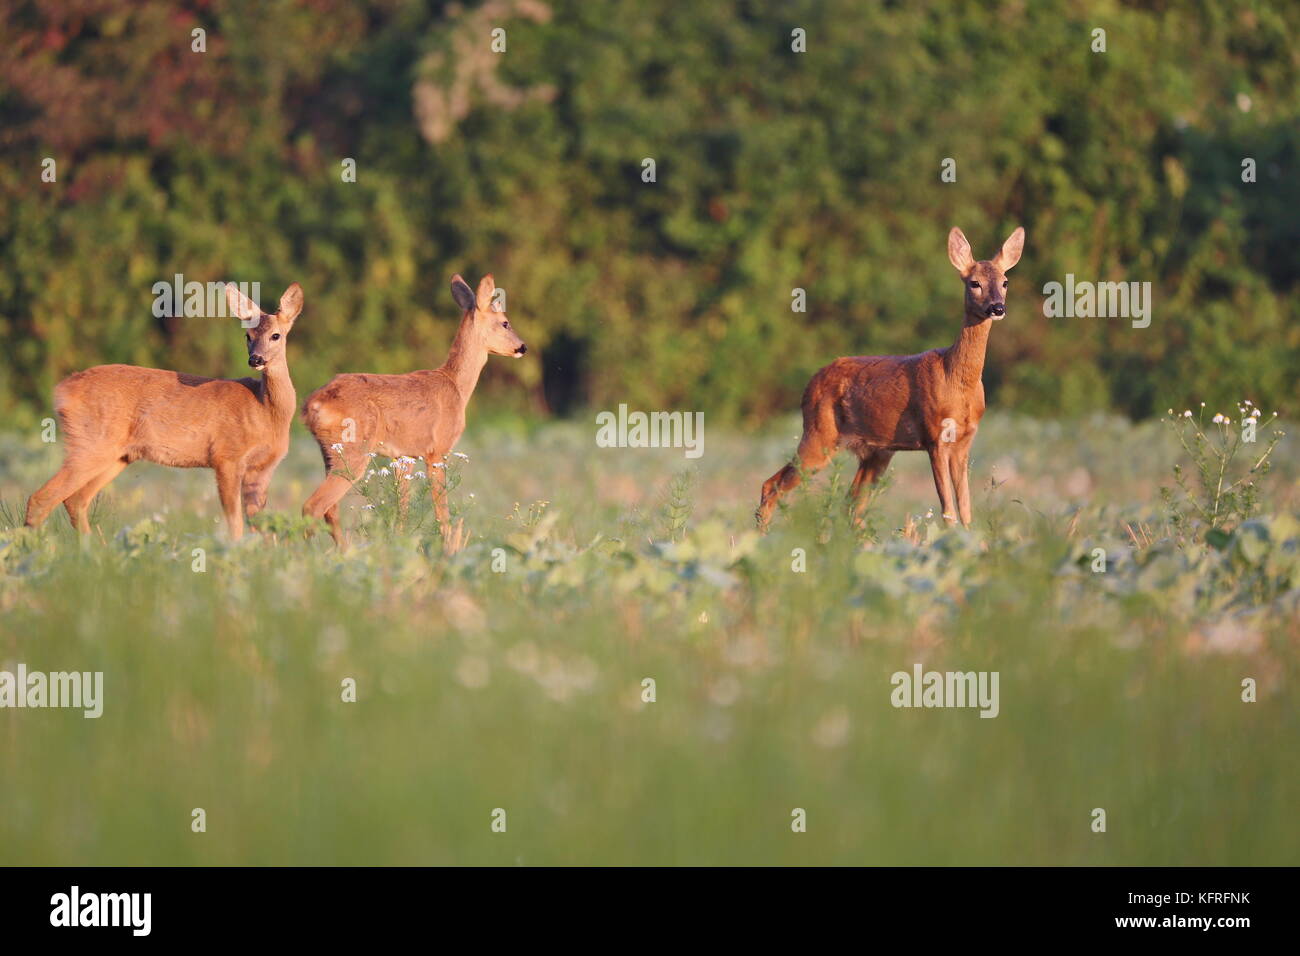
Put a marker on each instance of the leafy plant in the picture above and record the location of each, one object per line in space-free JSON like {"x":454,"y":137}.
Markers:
{"x":1223,"y":490}
{"x":677,"y":503}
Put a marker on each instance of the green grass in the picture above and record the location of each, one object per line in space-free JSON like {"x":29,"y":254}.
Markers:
{"x":522,"y":689}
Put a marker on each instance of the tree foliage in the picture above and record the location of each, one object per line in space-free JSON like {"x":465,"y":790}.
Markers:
{"x":775,"y":170}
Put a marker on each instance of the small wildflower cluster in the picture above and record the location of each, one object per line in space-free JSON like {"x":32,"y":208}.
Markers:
{"x":531,"y":518}
{"x":398,"y":496}
{"x":1223,"y":496}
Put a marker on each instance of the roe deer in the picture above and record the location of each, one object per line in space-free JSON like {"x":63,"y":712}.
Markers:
{"x":418,"y":414}
{"x":112,"y":415}
{"x":878,"y":405}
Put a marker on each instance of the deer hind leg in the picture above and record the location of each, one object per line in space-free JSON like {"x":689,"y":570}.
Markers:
{"x":870,"y":467}
{"x":342,"y":471}
{"x":254,"y":491}
{"x":74,"y":474}
{"x":816,"y":449}
{"x":332,"y":519}
{"x":78,"y":503}
{"x":941,"y":466}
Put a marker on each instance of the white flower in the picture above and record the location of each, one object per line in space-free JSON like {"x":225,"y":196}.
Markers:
{"x":1219,"y":419}
{"x":461,"y":456}
{"x":337,"y":446}
{"x":385,"y":472}
{"x":437,"y":464}
{"x":372,"y":454}
{"x":1187,"y":414}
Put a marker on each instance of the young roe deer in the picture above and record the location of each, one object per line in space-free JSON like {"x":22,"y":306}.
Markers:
{"x":112,"y":415}
{"x":418,"y":414}
{"x":878,"y":405}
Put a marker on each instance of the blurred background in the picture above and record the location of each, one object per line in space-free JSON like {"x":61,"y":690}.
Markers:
{"x":775,"y":170}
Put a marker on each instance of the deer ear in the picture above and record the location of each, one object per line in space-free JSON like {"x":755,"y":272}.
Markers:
{"x":290,"y":303}
{"x":1009,"y":254}
{"x":486,"y":287}
{"x":241,"y":306}
{"x":959,"y":252}
{"x":462,"y":293}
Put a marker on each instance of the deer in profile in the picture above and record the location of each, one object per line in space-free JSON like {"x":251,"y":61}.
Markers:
{"x":112,"y":415}
{"x":417,"y":414}
{"x":878,"y":405}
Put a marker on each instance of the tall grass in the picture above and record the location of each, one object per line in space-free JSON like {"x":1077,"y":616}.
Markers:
{"x":522,"y":689}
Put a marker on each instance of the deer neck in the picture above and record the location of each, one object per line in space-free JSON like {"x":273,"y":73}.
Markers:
{"x":276,"y":392}
{"x":965,"y":360}
{"x":466,"y":359}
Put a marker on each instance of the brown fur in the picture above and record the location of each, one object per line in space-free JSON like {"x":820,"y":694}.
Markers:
{"x":112,"y":415}
{"x":878,"y":405}
{"x":418,"y":414}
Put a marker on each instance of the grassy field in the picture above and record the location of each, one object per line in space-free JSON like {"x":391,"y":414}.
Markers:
{"x":522,"y":688}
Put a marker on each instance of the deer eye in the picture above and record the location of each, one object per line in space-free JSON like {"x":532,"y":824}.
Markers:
{"x":974,"y":285}
{"x":1004,"y":283}
{"x":275,"y":336}
{"x":505,"y":324}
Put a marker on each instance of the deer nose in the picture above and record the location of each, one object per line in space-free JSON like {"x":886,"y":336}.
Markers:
{"x":997,"y":309}
{"x":256,"y":361}
{"x":521,"y":350}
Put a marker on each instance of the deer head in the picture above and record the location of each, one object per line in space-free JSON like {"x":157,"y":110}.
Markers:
{"x":986,"y":280}
{"x":266,"y":332}
{"x":492,"y":326}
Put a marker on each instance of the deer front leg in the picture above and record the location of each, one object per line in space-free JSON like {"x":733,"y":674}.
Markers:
{"x":230,"y":478}
{"x":453,"y":538}
{"x":940,"y":465}
{"x":960,"y":468}
{"x":438,"y":489}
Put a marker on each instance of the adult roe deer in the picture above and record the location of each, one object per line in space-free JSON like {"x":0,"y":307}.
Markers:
{"x":878,"y":405}
{"x":112,"y":415}
{"x":417,"y":414}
